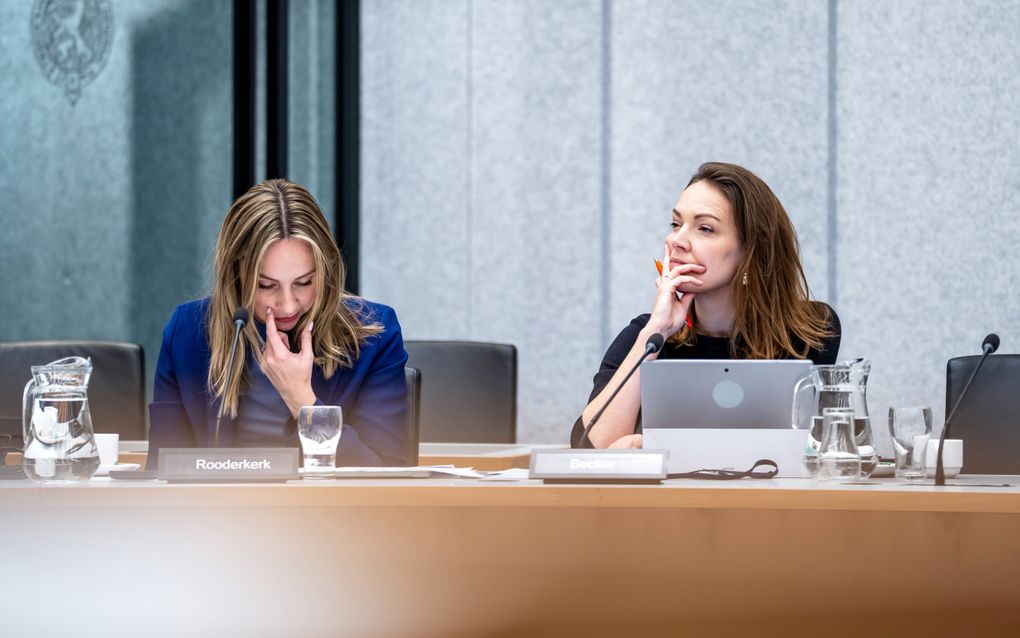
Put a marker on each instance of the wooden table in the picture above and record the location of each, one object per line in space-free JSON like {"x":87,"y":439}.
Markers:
{"x":457,"y":557}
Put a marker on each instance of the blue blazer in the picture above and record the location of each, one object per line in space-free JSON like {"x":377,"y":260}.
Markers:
{"x":372,"y":394}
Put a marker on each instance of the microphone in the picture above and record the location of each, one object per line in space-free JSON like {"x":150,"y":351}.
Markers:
{"x":240,"y":320}
{"x":988,"y":346}
{"x":653,"y":345}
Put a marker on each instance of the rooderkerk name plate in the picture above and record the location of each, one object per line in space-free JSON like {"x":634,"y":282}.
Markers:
{"x":228,"y":464}
{"x":599,"y":466}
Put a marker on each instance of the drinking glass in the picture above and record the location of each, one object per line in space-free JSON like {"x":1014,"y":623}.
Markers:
{"x":319,"y":428}
{"x":910,"y":429}
{"x":838,"y":457}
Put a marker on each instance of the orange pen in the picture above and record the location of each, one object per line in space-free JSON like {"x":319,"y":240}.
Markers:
{"x":687,"y":319}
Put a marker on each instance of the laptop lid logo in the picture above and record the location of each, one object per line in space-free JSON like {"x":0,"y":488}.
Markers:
{"x":728,"y":394}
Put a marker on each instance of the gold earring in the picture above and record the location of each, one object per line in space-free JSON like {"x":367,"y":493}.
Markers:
{"x":745,"y":277}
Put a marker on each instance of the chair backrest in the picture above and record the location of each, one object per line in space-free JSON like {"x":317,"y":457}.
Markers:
{"x":413,"y":378}
{"x":470,"y":390}
{"x":116,"y":388}
{"x":988,"y":420}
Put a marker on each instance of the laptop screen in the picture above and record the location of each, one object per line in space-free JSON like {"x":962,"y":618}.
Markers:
{"x":719,"y":393}
{"x":723,"y":414}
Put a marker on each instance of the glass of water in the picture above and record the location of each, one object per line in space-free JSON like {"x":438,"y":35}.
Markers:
{"x":838,"y":456}
{"x":319,"y":428}
{"x":910,"y":429}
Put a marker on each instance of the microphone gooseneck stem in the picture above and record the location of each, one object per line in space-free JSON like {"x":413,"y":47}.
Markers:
{"x":651,"y":347}
{"x":230,"y":370}
{"x":940,"y":473}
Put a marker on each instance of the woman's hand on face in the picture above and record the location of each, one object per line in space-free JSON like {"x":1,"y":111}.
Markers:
{"x":289,"y":372}
{"x":668,"y":312}
{"x":628,"y":442}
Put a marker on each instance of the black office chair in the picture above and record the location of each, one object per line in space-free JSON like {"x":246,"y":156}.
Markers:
{"x":116,"y":389}
{"x":470,"y":393}
{"x":988,"y":420}
{"x":413,"y":378}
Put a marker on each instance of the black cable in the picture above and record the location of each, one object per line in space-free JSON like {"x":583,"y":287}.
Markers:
{"x":729,"y":475}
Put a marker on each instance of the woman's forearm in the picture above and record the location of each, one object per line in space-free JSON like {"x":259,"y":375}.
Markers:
{"x":620,"y":417}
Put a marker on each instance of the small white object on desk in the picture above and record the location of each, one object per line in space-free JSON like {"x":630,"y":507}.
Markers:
{"x":108,"y":447}
{"x":952,"y":457}
{"x":513,"y":474}
{"x":884,"y":469}
{"x":104,"y":470}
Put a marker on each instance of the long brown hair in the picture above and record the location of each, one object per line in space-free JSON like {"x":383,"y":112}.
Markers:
{"x":278,"y":209}
{"x":773,"y":308}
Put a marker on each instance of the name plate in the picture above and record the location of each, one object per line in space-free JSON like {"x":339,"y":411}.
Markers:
{"x":230,"y":465}
{"x":599,"y":466}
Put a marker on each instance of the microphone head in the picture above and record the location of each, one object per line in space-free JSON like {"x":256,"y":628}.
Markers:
{"x":241,"y":316}
{"x":991,"y":343}
{"x":655,"y":343}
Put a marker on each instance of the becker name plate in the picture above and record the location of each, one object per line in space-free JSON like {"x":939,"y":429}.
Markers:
{"x":599,"y":466}
{"x":228,"y":464}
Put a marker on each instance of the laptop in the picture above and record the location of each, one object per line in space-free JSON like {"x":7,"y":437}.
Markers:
{"x":722,"y":413}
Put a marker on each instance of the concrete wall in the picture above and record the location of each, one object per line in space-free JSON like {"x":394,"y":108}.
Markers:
{"x":110,"y":204}
{"x":520,"y":159}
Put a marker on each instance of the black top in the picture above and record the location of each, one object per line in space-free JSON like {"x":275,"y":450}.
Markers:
{"x":703,"y":347}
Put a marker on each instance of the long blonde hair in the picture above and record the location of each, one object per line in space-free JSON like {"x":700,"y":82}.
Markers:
{"x":773,"y":307}
{"x":278,"y":209}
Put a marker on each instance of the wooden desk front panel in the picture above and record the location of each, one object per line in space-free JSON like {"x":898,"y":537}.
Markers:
{"x":449,"y":559}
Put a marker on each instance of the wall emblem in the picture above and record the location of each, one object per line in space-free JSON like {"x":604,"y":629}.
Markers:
{"x":72,"y":41}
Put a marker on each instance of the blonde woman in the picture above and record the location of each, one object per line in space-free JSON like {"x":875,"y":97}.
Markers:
{"x":309,"y":342}
{"x":732,"y":253}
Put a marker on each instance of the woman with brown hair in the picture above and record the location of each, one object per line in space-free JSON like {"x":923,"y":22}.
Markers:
{"x":732,"y":256}
{"x":311,"y":342}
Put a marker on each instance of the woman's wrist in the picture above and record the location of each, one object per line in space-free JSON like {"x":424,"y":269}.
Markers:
{"x":299,"y":400}
{"x":648,"y":331}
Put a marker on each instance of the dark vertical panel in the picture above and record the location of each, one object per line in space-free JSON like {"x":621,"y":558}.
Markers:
{"x":348,"y":149}
{"x":244,"y":96}
{"x":180,"y":171}
{"x":276,"y":88}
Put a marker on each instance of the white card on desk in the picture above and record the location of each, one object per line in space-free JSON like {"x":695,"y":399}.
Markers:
{"x":423,"y":471}
{"x":693,"y":449}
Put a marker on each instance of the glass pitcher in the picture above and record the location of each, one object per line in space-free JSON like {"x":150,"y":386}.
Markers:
{"x":838,"y":457}
{"x":59,"y":442}
{"x":843,"y":385}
